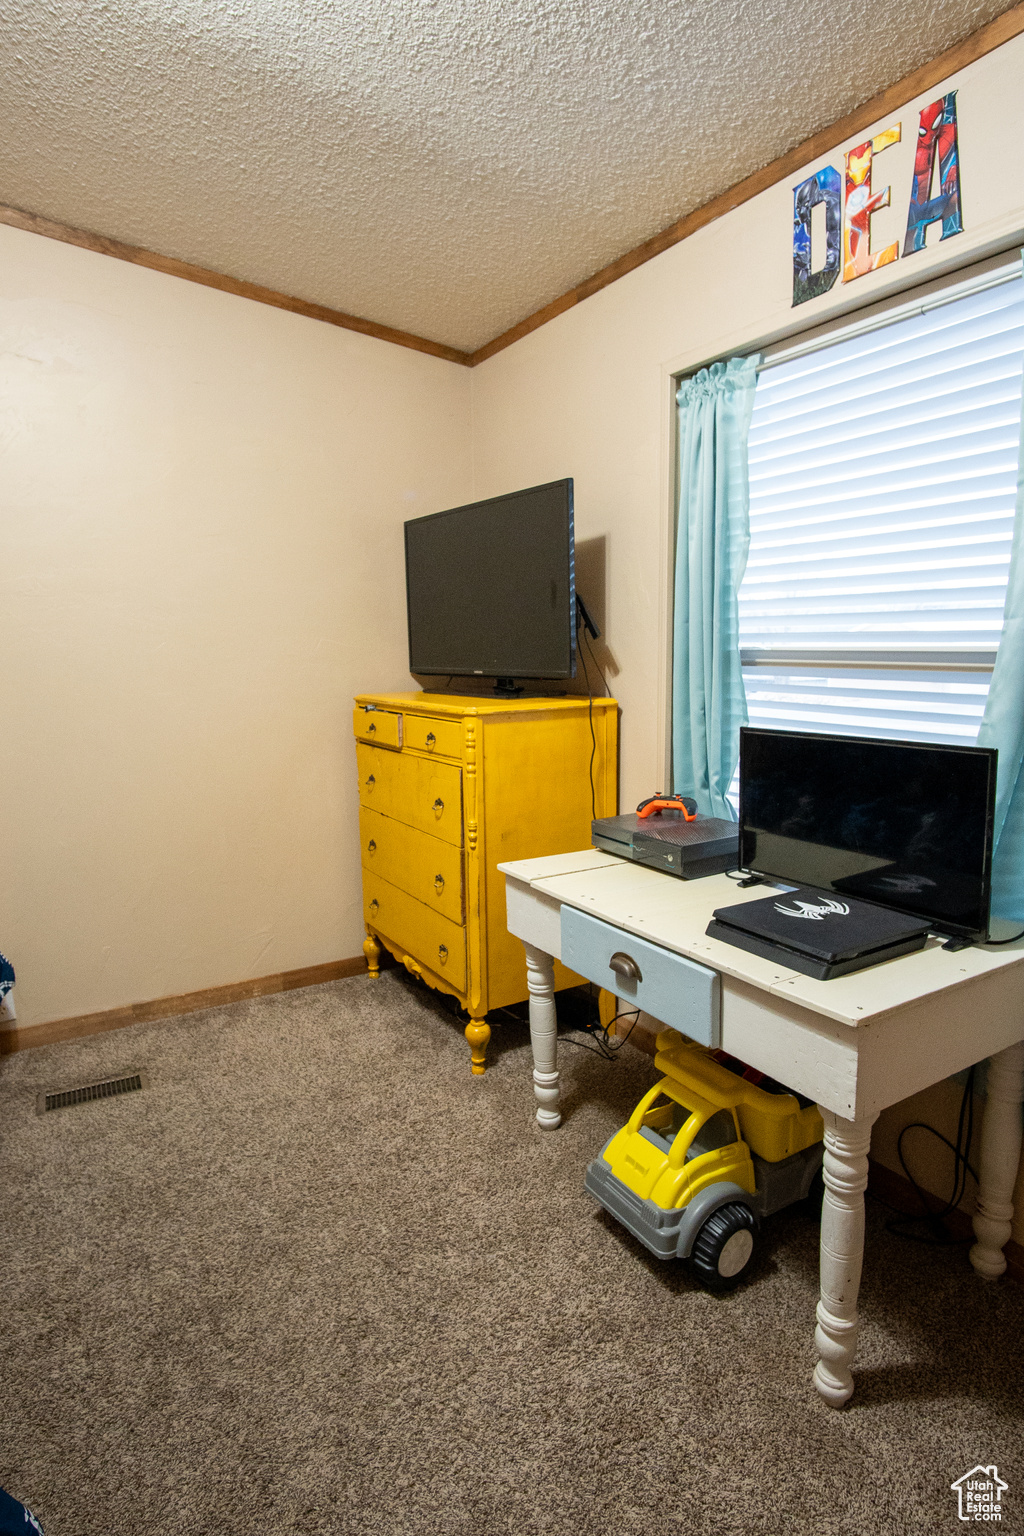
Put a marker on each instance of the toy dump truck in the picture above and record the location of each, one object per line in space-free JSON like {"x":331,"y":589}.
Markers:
{"x":704,"y":1156}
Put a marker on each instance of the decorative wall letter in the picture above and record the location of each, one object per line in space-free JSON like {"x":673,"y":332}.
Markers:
{"x":824,"y":187}
{"x":861,"y":203}
{"x":936,"y":133}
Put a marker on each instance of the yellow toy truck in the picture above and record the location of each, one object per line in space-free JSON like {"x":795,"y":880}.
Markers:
{"x":703,"y":1157}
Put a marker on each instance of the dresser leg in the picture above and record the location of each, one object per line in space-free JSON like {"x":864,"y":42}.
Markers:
{"x":540,"y":978}
{"x":845,"y":1171}
{"x":478,"y":1032}
{"x":998,"y":1160}
{"x":371,"y":949}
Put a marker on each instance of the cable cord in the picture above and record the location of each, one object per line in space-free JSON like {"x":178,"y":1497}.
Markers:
{"x":937,"y":1233}
{"x":593,"y":656}
{"x":593,"y":738}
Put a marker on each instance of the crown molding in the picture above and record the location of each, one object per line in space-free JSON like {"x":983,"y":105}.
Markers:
{"x":17,"y":218}
{"x":989,"y":37}
{"x":985,"y":40}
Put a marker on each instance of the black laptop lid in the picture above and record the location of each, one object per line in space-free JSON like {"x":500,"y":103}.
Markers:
{"x":822,"y":924}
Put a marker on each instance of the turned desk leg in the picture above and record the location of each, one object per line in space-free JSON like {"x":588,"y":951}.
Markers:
{"x":371,"y":949}
{"x":845,"y":1171}
{"x":540,"y":978}
{"x":998,"y":1161}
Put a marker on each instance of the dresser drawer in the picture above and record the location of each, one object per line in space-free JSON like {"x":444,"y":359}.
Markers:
{"x":669,"y":987}
{"x":426,"y":867}
{"x":383,"y":727}
{"x":441,"y":738}
{"x":427,"y":937}
{"x":412,"y":790}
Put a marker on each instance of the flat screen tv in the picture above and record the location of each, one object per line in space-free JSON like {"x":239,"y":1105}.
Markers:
{"x":491,"y":587}
{"x":905,"y":824}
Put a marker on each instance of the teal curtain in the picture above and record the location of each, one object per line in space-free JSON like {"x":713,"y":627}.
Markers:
{"x":1003,"y":728}
{"x":708,"y":702}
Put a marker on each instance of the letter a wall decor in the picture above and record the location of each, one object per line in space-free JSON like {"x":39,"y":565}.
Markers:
{"x":848,"y":250}
{"x":937,"y":134}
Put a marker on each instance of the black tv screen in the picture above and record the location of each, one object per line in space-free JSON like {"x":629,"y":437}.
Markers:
{"x":905,"y":824}
{"x":491,"y":587}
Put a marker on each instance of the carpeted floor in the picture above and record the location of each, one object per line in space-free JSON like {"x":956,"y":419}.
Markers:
{"x":318,"y":1278}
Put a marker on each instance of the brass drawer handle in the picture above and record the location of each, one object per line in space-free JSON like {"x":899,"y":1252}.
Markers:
{"x":431,"y":741}
{"x":625,"y":966}
{"x":439,"y":883}
{"x":442,"y":952}
{"x":439,"y":805}
{"x":371,"y":846}
{"x":371,"y":781}
{"x":374,"y":904}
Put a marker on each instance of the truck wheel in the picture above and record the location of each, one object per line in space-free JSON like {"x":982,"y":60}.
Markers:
{"x":724,"y":1247}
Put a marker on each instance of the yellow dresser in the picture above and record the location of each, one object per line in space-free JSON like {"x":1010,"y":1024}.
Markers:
{"x":451,"y":787}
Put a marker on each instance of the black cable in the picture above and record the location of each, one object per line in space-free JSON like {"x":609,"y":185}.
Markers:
{"x":593,"y":738}
{"x":622,"y":1038}
{"x":935,"y":1220}
{"x":603,"y":1046}
{"x":595,"y":1050}
{"x":991,"y":943}
{"x":597,"y":664}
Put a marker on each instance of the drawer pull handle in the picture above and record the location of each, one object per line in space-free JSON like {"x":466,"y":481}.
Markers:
{"x":439,"y":805}
{"x":374,"y":904}
{"x":439,"y":883}
{"x":371,"y":781}
{"x":625,"y":966}
{"x":371,"y":728}
{"x":431,"y":741}
{"x":442,"y":951}
{"x":371,"y":846}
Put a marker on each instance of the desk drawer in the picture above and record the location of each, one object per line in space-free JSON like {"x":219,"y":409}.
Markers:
{"x":669,"y":987}
{"x":413,"y":790}
{"x":427,"y":938}
{"x":427,"y":867}
{"x":381,"y":726}
{"x":441,"y":738}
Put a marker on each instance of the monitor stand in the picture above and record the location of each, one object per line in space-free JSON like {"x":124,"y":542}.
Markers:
{"x":507,"y":688}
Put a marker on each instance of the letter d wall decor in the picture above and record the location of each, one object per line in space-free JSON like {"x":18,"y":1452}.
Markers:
{"x":848,"y":236}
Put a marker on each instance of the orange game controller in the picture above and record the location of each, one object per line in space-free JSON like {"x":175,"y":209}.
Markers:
{"x":662,"y":802}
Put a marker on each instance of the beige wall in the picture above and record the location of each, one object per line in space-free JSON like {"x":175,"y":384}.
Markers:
{"x":590,"y":394}
{"x":201,"y":502}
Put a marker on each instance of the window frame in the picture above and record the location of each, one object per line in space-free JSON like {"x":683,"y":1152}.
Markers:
{"x":973,"y":276}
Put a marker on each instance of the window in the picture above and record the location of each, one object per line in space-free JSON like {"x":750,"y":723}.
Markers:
{"x":717,"y":1132}
{"x":883,"y":469}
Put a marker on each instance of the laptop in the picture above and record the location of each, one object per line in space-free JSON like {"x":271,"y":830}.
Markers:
{"x":818,"y":933}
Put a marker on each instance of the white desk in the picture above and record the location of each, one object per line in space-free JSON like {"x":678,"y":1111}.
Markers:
{"x":855,"y":1045}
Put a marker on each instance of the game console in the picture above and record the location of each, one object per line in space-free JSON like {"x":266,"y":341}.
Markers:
{"x":688,"y":849}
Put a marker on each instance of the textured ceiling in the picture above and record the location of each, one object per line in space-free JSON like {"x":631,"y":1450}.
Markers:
{"x":443,"y":166}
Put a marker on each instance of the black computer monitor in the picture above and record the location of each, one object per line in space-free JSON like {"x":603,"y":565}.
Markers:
{"x":905,"y":824}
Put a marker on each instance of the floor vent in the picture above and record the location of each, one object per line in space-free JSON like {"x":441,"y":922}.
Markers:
{"x":111,"y":1089}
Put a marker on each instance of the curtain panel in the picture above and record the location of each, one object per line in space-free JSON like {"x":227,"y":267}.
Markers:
{"x":713,"y":534}
{"x":1003,"y":728}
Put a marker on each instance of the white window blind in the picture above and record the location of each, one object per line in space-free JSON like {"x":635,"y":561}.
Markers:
{"x":883,"y":476}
